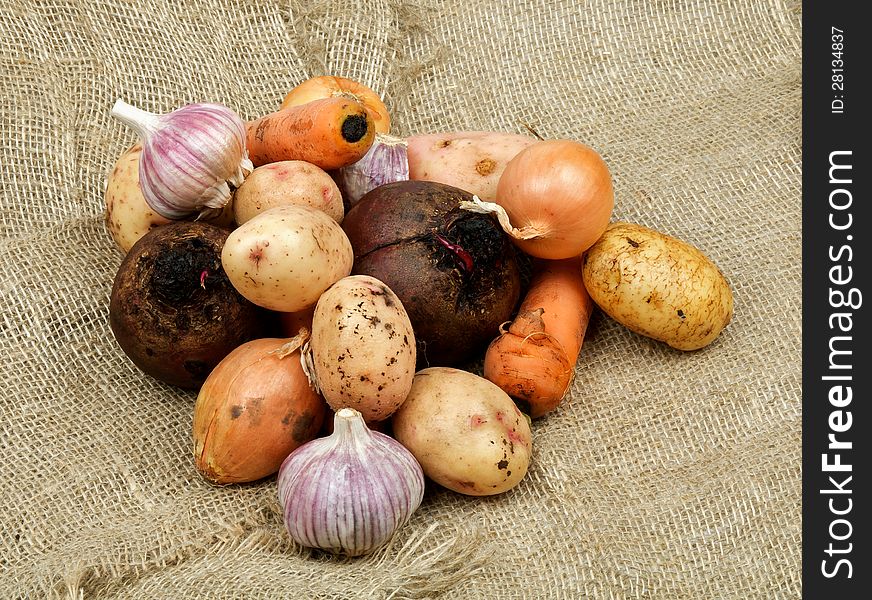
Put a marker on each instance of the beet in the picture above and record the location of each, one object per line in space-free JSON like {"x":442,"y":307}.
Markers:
{"x":173,"y":310}
{"x":455,"y":271}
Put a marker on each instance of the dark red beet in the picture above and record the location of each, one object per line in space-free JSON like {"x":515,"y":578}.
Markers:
{"x":173,"y":311}
{"x":455,"y":271}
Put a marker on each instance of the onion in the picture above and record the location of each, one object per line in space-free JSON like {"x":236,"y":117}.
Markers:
{"x":254,"y":409}
{"x":554,"y":199}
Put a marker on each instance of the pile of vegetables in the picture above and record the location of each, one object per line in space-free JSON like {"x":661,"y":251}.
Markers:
{"x":325,"y":288}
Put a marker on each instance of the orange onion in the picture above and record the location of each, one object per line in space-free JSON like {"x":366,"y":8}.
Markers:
{"x":329,"y":86}
{"x":554,"y":199}
{"x":255,"y":408}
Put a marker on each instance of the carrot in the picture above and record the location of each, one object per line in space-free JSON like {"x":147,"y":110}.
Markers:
{"x":329,"y":133}
{"x":533,"y":361}
{"x":290,"y":323}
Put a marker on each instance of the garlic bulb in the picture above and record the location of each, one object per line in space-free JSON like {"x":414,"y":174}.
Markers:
{"x":348,"y":493}
{"x":190,"y":157}
{"x":386,"y":161}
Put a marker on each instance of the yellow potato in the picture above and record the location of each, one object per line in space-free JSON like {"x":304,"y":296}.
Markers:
{"x":658,"y":286}
{"x":363,"y":347}
{"x":466,"y":432}
{"x":284,"y":183}
{"x":128,"y":217}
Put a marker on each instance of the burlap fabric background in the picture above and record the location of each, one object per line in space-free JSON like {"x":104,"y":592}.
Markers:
{"x":663,"y":475}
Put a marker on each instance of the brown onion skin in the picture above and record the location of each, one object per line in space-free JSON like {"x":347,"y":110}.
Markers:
{"x":455,"y":310}
{"x":254,"y":409}
{"x":173,"y":327}
{"x":563,"y":188}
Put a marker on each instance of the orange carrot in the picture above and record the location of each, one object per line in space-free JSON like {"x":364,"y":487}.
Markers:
{"x":290,"y":323}
{"x":329,"y":133}
{"x":534,"y":359}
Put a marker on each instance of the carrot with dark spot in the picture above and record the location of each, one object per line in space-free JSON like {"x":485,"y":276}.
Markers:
{"x":329,"y":133}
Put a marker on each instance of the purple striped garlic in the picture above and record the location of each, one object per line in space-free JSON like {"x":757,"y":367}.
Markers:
{"x":349,"y":492}
{"x":386,"y":161}
{"x":190,"y":157}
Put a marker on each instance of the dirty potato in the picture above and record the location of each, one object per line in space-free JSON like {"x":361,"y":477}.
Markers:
{"x":658,"y":286}
{"x":363,"y":347}
{"x":466,"y":432}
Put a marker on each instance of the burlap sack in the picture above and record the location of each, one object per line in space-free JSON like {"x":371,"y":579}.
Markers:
{"x":663,"y":475}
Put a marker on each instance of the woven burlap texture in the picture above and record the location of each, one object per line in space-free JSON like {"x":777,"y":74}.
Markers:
{"x":662,"y":475}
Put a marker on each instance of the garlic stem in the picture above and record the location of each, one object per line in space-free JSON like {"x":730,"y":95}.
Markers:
{"x":392,"y":140}
{"x":349,"y":426}
{"x":347,"y":413}
{"x":142,"y":121}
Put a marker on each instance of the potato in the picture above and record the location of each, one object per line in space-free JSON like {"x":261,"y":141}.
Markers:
{"x":284,"y":258}
{"x":466,"y":432}
{"x":363,"y":347}
{"x":287,"y":182}
{"x":128,"y":216}
{"x":658,"y":286}
{"x":469,"y":160}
